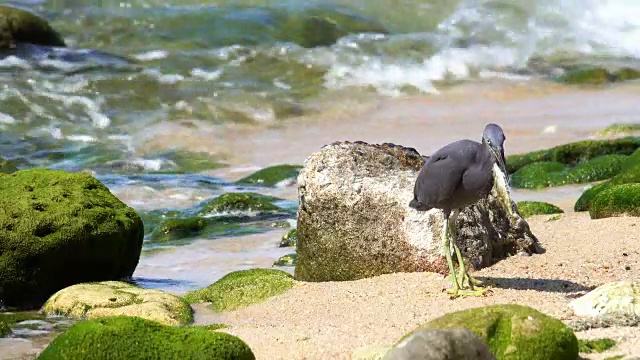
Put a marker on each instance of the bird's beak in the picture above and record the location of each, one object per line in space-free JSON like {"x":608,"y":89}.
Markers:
{"x":498,"y":152}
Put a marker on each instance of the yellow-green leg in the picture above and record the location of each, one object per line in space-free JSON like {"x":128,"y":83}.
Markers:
{"x":454,"y":238}
{"x":464,"y":275}
{"x":447,"y":254}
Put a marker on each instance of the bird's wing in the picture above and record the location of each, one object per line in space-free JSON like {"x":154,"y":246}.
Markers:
{"x":443,"y":172}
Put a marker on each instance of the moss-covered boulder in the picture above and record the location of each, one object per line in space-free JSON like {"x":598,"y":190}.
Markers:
{"x":182,"y":228}
{"x":133,"y":338}
{"x":575,"y":153}
{"x":289,"y":239}
{"x":513,"y":331}
{"x":596,"y":345}
{"x":58,"y":229}
{"x":538,"y":175}
{"x":239,"y":203}
{"x":20,"y":26}
{"x":152,"y":218}
{"x":629,"y":174}
{"x":616,"y":129}
{"x":4,"y":329}
{"x":618,"y":200}
{"x":597,"y":76}
{"x":271,"y":176}
{"x":110,"y":298}
{"x":7,"y":167}
{"x":323,"y":26}
{"x":544,"y":174}
{"x":530,"y":208}
{"x":287,"y":260}
{"x":242,"y":288}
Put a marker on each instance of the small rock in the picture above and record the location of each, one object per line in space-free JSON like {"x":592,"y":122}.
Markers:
{"x":111,"y":298}
{"x":449,"y":344}
{"x":621,"y":297}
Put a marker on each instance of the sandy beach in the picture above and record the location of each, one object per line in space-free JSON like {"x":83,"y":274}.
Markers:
{"x":333,"y":320}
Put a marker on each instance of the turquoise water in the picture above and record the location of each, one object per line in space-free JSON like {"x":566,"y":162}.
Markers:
{"x":134,"y":64}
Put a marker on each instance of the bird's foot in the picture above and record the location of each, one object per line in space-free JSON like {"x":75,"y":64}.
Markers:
{"x":478,"y":291}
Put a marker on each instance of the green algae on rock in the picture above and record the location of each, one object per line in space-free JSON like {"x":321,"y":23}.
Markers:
{"x":538,"y":175}
{"x":70,"y":225}
{"x":597,"y":76}
{"x":595,"y":345}
{"x":234,"y":202}
{"x":133,"y":338}
{"x":619,"y":129}
{"x":287,"y":260}
{"x":630,"y":174}
{"x":152,"y":218}
{"x":4,"y":329}
{"x":513,"y":331}
{"x":20,"y":26}
{"x":544,"y":174}
{"x":289,"y":239}
{"x":7,"y":167}
{"x":187,"y":162}
{"x":271,"y":176}
{"x":111,"y":298}
{"x":242,"y":288}
{"x":575,"y":153}
{"x":181,"y":228}
{"x":211,"y":327}
{"x":618,"y":200}
{"x":530,"y":208}
{"x":323,"y":26}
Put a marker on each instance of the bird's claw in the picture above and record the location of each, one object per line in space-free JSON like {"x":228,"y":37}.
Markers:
{"x":478,"y":291}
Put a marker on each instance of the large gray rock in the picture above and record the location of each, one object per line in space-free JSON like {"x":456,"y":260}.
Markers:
{"x":449,"y":344}
{"x":621,"y":297}
{"x":354,"y":220}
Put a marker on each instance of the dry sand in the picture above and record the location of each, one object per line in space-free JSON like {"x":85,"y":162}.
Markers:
{"x":332,"y":320}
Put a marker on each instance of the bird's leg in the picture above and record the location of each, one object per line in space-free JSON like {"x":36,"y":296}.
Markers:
{"x":464,"y":275}
{"x":447,"y":253}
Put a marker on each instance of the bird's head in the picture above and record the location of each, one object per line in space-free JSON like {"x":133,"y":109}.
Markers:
{"x":494,"y":138}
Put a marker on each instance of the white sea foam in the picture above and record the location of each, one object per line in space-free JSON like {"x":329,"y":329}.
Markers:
{"x":152,"y":55}
{"x":481,"y":39}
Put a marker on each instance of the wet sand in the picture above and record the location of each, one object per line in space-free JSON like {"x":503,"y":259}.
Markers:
{"x":534,"y":115}
{"x":332,"y":320}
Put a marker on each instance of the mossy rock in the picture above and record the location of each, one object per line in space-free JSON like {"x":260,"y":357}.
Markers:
{"x":620,"y":129}
{"x":629,"y":174}
{"x":596,"y":345}
{"x":71,"y":226}
{"x":575,"y":153}
{"x":152,"y":218}
{"x":323,"y":26}
{"x":271,"y":176}
{"x":539,"y":175}
{"x":530,"y":208}
{"x":242,"y":288}
{"x":4,"y":329}
{"x":289,"y":239}
{"x":188,"y":162}
{"x":7,"y":167}
{"x":514,"y":332}
{"x":618,"y":200}
{"x":111,"y":298}
{"x":20,"y":26}
{"x":237,"y":202}
{"x":597,"y":76}
{"x":544,"y":174}
{"x":183,"y":228}
{"x":287,"y":260}
{"x":133,"y":338}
